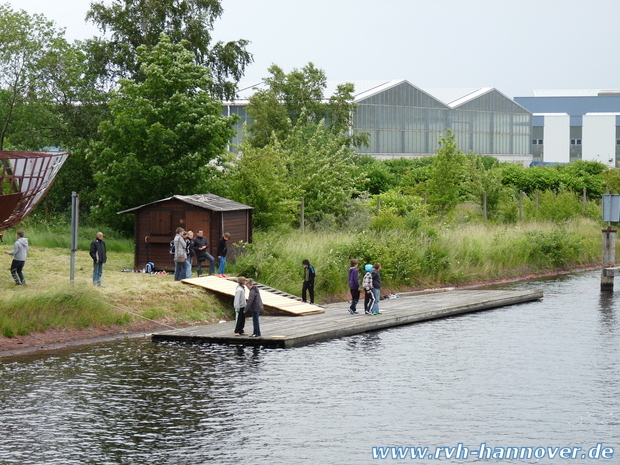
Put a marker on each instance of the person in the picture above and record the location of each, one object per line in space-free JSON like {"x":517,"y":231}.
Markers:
{"x":308,"y":285}
{"x":369,"y":299}
{"x":255,"y":304}
{"x":180,"y":255}
{"x":354,"y":285}
{"x":222,"y":250}
{"x":189,"y":247}
{"x":99,"y":256}
{"x":201,"y":246}
{"x":376,"y":287}
{"x":19,"y":253}
{"x":239,"y":304}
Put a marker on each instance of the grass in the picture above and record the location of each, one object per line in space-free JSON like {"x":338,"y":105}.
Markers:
{"x":49,"y":301}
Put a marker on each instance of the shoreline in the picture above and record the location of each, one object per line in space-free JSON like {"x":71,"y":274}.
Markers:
{"x":60,"y":339}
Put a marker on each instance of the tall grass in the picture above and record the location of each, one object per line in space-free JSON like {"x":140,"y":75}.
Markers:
{"x":426,"y":257}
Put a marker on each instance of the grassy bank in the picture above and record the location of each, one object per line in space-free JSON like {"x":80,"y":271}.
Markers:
{"x":425,"y":257}
{"x":50,"y":302}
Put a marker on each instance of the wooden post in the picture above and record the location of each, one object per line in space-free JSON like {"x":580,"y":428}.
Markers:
{"x":609,"y":258}
{"x":536,"y":199}
{"x":520,"y":205}
{"x":484,"y":205}
{"x":302,"y":220}
{"x":378,"y":205}
{"x":585,"y":201}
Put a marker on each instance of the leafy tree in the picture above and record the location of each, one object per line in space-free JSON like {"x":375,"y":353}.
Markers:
{"x":162,"y":133}
{"x":447,"y":174}
{"x":298,"y":98}
{"x":133,"y":23}
{"x":481,"y":178}
{"x":259,"y":177}
{"x":26,"y":43}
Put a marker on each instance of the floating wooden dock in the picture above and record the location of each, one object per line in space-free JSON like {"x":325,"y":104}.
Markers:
{"x":336,"y":321}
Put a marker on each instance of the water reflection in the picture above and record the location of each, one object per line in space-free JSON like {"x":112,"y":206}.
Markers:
{"x":543,"y":373}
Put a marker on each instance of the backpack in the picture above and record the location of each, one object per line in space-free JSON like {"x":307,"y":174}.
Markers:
{"x":150,"y":267}
{"x":172,"y":248}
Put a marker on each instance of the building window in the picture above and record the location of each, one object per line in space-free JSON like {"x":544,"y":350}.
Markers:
{"x":537,"y":142}
{"x":617,"y":141}
{"x":575,"y":142}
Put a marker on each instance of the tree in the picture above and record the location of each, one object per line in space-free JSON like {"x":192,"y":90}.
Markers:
{"x":26,"y":43}
{"x":447,"y":174}
{"x":133,"y":23}
{"x":162,"y":133}
{"x":298,"y":98}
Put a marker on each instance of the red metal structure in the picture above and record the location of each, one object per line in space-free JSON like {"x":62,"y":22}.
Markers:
{"x":25,"y":177}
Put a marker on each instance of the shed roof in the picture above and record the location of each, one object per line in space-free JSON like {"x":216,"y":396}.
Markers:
{"x":209,"y":201}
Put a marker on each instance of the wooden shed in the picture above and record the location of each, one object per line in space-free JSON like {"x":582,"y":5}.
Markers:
{"x":155,"y":225}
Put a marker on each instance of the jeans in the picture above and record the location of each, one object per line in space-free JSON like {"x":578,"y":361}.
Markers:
{"x":222,"y":265}
{"x":375,"y":307}
{"x":188,"y":268}
{"x":255,"y":323}
{"x":355,"y":298}
{"x":179,"y":271}
{"x":199,"y":260}
{"x":16,"y":271}
{"x":97,"y":272}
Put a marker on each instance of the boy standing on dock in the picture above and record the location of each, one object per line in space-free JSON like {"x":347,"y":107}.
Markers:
{"x":308,"y":285}
{"x":255,"y":305}
{"x":239,"y":304}
{"x":376,"y":287}
{"x":354,"y":285}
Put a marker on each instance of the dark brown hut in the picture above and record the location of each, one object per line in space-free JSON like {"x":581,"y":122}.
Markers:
{"x":155,"y":225}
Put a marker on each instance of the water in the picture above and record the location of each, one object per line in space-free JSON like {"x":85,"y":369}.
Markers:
{"x":541,"y":374}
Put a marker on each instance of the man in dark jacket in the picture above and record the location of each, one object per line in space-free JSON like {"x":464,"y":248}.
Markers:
{"x":201,"y":246}
{"x":98,"y":254}
{"x":308,"y":285}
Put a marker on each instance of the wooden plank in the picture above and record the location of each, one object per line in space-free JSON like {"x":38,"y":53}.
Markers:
{"x":336,"y":321}
{"x":279,"y":302}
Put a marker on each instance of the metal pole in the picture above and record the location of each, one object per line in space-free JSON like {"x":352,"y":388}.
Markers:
{"x":75,"y":208}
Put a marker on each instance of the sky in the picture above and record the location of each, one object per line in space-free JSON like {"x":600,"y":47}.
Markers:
{"x":516,"y":46}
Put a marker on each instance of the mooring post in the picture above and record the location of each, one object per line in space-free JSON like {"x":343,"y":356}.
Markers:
{"x":609,"y":258}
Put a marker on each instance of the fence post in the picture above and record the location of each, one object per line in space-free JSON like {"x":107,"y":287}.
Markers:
{"x":484,"y":205}
{"x":520,"y":205}
{"x":302,"y":219}
{"x":609,"y":258}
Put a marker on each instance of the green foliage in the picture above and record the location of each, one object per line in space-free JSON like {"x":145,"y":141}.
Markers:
{"x":377,"y":174}
{"x":296,"y":100}
{"x":574,"y":176}
{"x":482,"y":179}
{"x":162,"y":133}
{"x":132,"y":24}
{"x":447,"y":174}
{"x":555,"y":249}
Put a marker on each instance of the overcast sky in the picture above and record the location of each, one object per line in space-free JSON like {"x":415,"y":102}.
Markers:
{"x":516,"y":46}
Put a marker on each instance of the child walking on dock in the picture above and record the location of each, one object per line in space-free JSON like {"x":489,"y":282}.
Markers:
{"x":239,"y":304}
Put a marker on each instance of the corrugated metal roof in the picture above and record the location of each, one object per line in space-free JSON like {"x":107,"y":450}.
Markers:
{"x":210,"y":201}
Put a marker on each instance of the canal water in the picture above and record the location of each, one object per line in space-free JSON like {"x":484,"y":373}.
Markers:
{"x":541,"y":377}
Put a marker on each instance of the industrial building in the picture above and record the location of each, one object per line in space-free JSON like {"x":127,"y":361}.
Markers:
{"x":570,"y":125}
{"x":406,"y":121}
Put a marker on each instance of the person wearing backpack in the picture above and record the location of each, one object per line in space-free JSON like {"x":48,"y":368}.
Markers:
{"x":180,"y":255}
{"x":308,"y":284}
